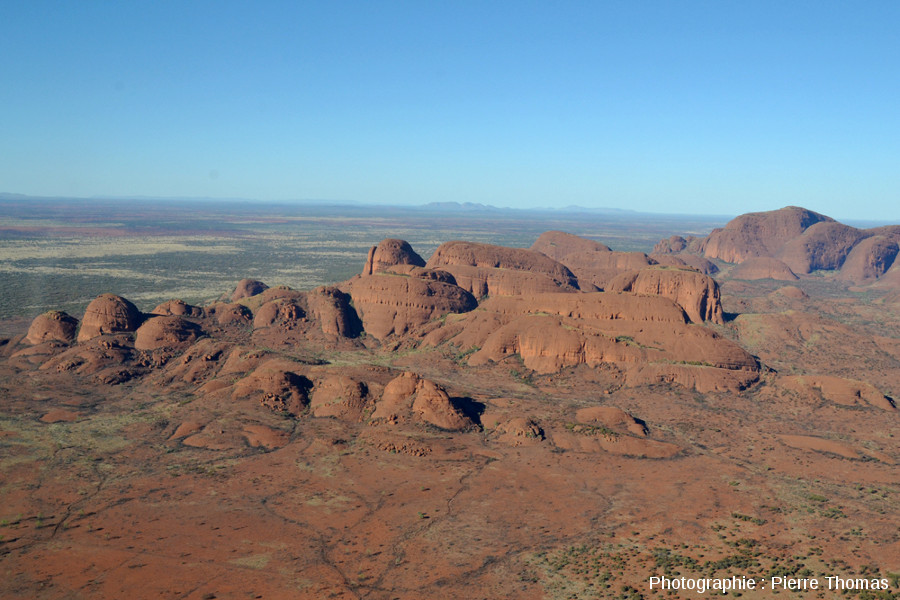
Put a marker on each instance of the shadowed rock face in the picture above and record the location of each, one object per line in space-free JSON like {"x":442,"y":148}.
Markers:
{"x":108,"y":313}
{"x":763,"y":267}
{"x":247,"y":288}
{"x":331,"y":307}
{"x":823,"y":245}
{"x":869,"y":259}
{"x":389,"y":253}
{"x":759,"y":234}
{"x":53,"y":325}
{"x":696,"y":293}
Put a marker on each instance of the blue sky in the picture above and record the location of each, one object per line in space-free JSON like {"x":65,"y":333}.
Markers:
{"x":695,"y":107}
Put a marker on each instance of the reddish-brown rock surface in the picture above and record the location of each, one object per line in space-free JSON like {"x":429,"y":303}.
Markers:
{"x":166,"y":332}
{"x":762,"y":267}
{"x":759,"y":234}
{"x":394,"y":304}
{"x":108,"y":313}
{"x":247,"y":288}
{"x":389,"y":253}
{"x":559,"y":244}
{"x":696,"y":293}
{"x":53,"y":325}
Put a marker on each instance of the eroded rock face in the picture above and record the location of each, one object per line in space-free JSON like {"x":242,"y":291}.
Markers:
{"x":696,"y":293}
{"x":166,"y":332}
{"x":763,"y":267}
{"x":759,"y":234}
{"x":389,"y":253}
{"x":596,"y":269}
{"x":247,"y":288}
{"x":285,"y":312}
{"x":332,"y":309}
{"x":396,"y":399}
{"x":558,"y":244}
{"x":483,"y":269}
{"x":824,"y":245}
{"x":340,"y":397}
{"x":647,"y":337}
{"x":109,"y":313}
{"x":231,"y":314}
{"x":677,"y":244}
{"x":869,"y":259}
{"x":394,"y":304}
{"x":178,"y":308}
{"x":611,"y":417}
{"x":432,"y":405}
{"x":274,"y":386}
{"x":53,"y":325}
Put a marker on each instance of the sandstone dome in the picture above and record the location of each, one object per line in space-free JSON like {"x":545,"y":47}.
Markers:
{"x":53,"y":325}
{"x":109,"y":313}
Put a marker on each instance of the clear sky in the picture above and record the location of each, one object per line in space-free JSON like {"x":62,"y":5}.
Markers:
{"x":673,"y":106}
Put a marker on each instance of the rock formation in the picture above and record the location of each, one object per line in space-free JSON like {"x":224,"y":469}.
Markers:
{"x":247,"y":288}
{"x":108,"y":313}
{"x":391,"y":304}
{"x":696,"y":293}
{"x":486,"y":270}
{"x":389,"y":253}
{"x":53,"y":325}
{"x":762,"y":267}
{"x":166,"y":332}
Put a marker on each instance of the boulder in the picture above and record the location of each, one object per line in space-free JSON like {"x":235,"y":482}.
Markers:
{"x":432,"y":405}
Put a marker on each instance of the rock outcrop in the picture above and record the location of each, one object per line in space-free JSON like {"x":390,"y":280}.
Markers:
{"x":53,"y":325}
{"x":762,"y":267}
{"x":759,"y":234}
{"x":166,"y":332}
{"x":486,"y":270}
{"x":558,"y":244}
{"x":108,"y":313}
{"x":824,"y":245}
{"x":869,"y":259}
{"x":389,"y":253}
{"x":646,"y":337}
{"x":696,"y":293}
{"x":247,"y":288}
{"x":391,"y":304}
{"x":333,"y":310}
{"x":177,"y":308}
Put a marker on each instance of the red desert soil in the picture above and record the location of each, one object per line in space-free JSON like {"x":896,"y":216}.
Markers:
{"x":400,"y":435}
